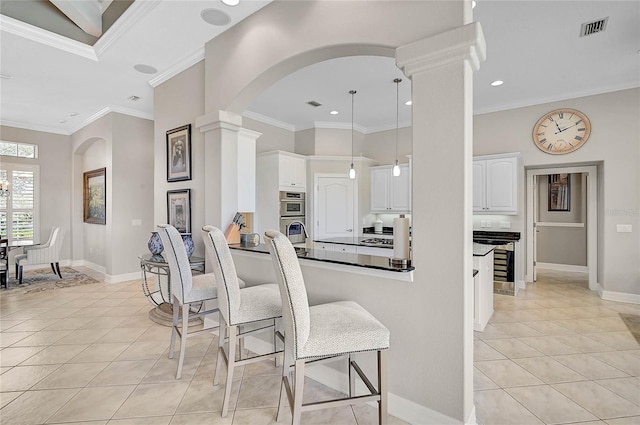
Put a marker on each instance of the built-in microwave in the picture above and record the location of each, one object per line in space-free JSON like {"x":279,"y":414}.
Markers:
{"x":292,"y":204}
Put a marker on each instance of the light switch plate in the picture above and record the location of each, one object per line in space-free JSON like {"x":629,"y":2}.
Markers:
{"x":136,"y":222}
{"x":623,"y":228}
{"x":505,"y":225}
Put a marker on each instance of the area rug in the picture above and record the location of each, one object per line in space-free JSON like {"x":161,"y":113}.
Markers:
{"x":633,"y":323}
{"x":45,"y":280}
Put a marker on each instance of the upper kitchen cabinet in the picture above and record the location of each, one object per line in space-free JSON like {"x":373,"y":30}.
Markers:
{"x":390,"y":194}
{"x":495,"y":184}
{"x":292,"y":171}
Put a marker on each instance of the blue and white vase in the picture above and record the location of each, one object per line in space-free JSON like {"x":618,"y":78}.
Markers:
{"x":155,"y":244}
{"x":188,"y":243}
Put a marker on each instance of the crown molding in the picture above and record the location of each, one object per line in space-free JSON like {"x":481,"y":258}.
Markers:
{"x":39,"y":35}
{"x":175,"y":69}
{"x":108,"y":109}
{"x":339,"y":126}
{"x":268,"y":120}
{"x":34,"y":127}
{"x":567,"y":98}
{"x":128,"y":19}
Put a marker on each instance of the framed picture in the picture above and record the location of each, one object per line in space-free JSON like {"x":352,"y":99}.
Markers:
{"x":95,"y":196}
{"x":559,"y":192}
{"x":179,"y":209}
{"x":179,"y":154}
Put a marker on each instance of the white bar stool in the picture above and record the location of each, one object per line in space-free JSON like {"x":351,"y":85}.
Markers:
{"x":323,"y":331}
{"x":238,"y":307}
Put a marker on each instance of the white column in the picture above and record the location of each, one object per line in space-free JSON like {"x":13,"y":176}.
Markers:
{"x":230,"y":152}
{"x":440,"y":68}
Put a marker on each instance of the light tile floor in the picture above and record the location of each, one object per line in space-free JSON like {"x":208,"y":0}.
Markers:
{"x":557,"y":354}
{"x":89,"y":355}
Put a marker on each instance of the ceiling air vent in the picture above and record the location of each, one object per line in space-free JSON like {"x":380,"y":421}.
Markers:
{"x":589,"y":28}
{"x":314,"y":103}
{"x":134,"y":98}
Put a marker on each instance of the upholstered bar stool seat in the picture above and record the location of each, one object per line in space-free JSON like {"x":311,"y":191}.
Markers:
{"x":323,"y":332}
{"x":238,"y":307}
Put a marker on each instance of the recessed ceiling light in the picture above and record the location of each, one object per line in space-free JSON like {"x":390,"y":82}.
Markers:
{"x":231,"y":2}
{"x":145,"y":69}
{"x":73,"y":114}
{"x":6,"y":77}
{"x":408,"y":103}
{"x":473,"y":4}
{"x":62,"y":121}
{"x":497,"y":83}
{"x":215,"y":17}
{"x":334,"y":112}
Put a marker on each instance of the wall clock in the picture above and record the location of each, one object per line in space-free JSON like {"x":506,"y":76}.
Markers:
{"x":561,"y":131}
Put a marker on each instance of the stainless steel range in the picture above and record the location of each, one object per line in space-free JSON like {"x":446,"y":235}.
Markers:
{"x":377,"y":242}
{"x":504,"y":259}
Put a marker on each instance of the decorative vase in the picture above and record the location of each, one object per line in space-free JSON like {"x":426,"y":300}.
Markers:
{"x":188,"y":243}
{"x":155,"y":244}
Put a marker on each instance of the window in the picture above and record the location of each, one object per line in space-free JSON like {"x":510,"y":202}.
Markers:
{"x":20,"y":150}
{"x":19,"y":210}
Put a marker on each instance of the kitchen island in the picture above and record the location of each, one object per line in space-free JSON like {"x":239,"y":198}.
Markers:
{"x":483,"y":285}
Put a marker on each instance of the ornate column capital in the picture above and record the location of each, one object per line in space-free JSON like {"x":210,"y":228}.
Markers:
{"x":459,"y":44}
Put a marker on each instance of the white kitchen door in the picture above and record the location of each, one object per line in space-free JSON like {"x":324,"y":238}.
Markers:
{"x":336,"y":206}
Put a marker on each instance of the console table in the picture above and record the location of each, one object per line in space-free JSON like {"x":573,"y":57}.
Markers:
{"x":156,"y":286}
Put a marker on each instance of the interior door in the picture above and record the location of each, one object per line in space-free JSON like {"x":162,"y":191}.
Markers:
{"x":535,"y":225}
{"x":336,"y":207}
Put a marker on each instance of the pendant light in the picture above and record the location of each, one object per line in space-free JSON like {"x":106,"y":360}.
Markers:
{"x":352,"y":171}
{"x":396,"y":167}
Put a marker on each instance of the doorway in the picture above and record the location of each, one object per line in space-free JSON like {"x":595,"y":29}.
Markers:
{"x":557,"y":202}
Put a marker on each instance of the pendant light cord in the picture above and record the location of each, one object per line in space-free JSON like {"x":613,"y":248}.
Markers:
{"x":397,"y":81}
{"x":352,"y":92}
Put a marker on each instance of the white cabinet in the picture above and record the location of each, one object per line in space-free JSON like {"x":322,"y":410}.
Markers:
{"x":495,"y":184}
{"x":272,"y":170}
{"x":322,"y":246}
{"x":380,"y":252}
{"x":292,"y":173}
{"x":390,"y":194}
{"x":483,"y":291}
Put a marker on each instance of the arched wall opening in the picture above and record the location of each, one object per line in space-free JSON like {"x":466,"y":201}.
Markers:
{"x":89,"y":241}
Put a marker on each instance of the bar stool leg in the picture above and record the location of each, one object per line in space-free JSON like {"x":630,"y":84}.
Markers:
{"x":221,"y":337}
{"x":174,"y":330}
{"x":298,"y":392}
{"x":231,"y":359}
{"x":383,"y":405}
{"x":183,"y":337}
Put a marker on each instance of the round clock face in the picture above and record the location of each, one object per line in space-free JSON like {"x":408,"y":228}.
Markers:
{"x":561,"y":131}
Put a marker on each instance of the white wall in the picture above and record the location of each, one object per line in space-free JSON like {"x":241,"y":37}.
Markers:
{"x":614,"y":146}
{"x":54,"y":159}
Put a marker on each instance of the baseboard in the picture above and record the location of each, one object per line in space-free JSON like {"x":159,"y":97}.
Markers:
{"x":562,"y":267}
{"x":89,"y":265}
{"x":472,"y":420}
{"x":121,"y":277}
{"x":399,"y":407}
{"x":622,"y":297}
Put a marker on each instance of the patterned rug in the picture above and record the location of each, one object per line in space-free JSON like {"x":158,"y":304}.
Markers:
{"x":45,"y":280}
{"x":633,"y":323}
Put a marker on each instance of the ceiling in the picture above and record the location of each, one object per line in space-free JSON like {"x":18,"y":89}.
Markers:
{"x":60,"y":85}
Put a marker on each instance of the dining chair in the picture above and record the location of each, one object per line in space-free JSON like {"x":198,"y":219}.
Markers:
{"x":48,"y":252}
{"x":4,"y":263}
{"x":238,"y":307}
{"x":322,"y":332}
{"x":187,"y":290}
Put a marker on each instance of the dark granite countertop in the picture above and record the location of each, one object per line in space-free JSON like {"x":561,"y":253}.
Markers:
{"x":358,"y":260}
{"x":356,"y":240}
